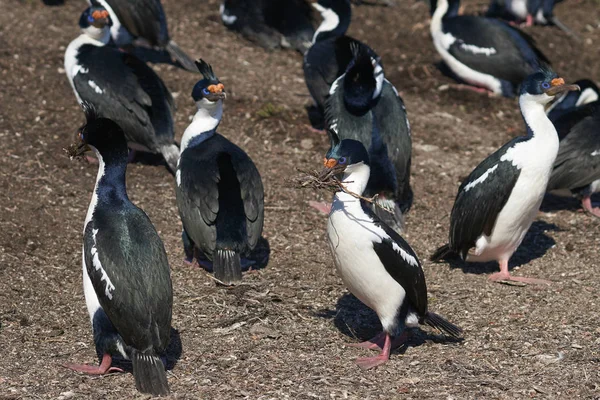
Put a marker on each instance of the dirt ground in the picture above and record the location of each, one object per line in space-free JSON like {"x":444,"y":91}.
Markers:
{"x":282,"y":334}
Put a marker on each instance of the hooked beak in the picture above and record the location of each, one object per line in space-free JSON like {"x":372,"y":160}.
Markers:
{"x":81,"y":149}
{"x":558,"y":86}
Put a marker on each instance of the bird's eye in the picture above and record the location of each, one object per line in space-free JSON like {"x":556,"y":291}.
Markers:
{"x":546,"y":85}
{"x":205,"y":91}
{"x":90,"y":18}
{"x":342,"y":160}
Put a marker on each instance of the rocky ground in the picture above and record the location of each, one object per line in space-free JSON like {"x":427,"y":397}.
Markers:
{"x":282,"y":333}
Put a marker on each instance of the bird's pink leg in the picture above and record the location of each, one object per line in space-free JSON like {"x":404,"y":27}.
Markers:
{"x":103,"y":368}
{"x":505,"y":276}
{"x":325,"y":208}
{"x":374,"y":343}
{"x":372,"y":362}
{"x":529,"y":20}
{"x":587,"y":205}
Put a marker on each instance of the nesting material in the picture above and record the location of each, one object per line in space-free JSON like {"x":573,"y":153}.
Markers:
{"x":326,"y":180}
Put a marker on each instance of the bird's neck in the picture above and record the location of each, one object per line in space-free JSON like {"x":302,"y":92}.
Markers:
{"x":537,"y":122}
{"x":204,"y":124}
{"x":355,"y":180}
{"x":110,"y":186}
{"x":334,"y":24}
{"x":443,"y":10}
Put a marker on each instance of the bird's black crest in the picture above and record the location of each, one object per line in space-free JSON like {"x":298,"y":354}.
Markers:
{"x":334,"y":138}
{"x":206,"y":70}
{"x":91,"y":114}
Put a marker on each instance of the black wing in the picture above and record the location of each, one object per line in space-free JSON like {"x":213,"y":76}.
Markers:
{"x":480,"y":199}
{"x":578,"y":161}
{"x":143,"y":18}
{"x":123,"y":88}
{"x":401,"y":262}
{"x":127,"y":264}
{"x":514,"y":57}
{"x":198,"y":194}
{"x":394,"y":129}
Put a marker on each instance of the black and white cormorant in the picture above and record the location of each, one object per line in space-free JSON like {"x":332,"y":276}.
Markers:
{"x":219,"y":190}
{"x":366,"y":107}
{"x":271,"y":24}
{"x":331,"y":50}
{"x":577,"y":165}
{"x":498,"y":201}
{"x":540,"y":12}
{"x":142,"y":20}
{"x":566,"y":101}
{"x":121,"y":87}
{"x":126,"y":275}
{"x":376,"y":264}
{"x":483,"y":52}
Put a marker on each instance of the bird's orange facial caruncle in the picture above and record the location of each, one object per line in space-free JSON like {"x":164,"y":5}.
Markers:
{"x":330,"y":162}
{"x":218,"y":88}
{"x":100,"y":18}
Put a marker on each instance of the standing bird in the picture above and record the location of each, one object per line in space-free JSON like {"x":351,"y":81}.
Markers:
{"x":497,"y":203}
{"x":121,"y":88}
{"x":483,"y":52}
{"x":577,"y":165}
{"x":364,"y":106}
{"x":142,"y":21}
{"x":331,"y":50}
{"x":568,"y":100}
{"x":375,"y":263}
{"x":271,"y":24}
{"x":126,"y":275}
{"x":219,"y":190}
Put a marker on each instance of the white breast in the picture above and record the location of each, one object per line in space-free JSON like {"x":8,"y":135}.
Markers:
{"x":351,"y":235}
{"x":535,"y":159}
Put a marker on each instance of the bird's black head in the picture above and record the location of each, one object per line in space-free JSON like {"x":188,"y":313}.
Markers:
{"x":210,"y":87}
{"x":95,"y":16}
{"x":362,"y":82}
{"x":344,"y":153}
{"x":101,"y":134}
{"x":544,"y":84}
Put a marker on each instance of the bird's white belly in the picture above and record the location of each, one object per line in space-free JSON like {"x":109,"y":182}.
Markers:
{"x":360,"y":268}
{"x":595,"y":186}
{"x":514,"y":220}
{"x":518,"y":8}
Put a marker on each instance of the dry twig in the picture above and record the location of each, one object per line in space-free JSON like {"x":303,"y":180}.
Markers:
{"x":326,"y":180}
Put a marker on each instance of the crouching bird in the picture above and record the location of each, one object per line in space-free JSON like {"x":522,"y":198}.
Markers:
{"x":498,"y":201}
{"x":126,"y":275}
{"x":219,"y":190}
{"x":375,"y":263}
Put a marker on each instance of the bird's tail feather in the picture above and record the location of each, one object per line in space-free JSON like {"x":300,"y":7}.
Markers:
{"x":181,"y":57}
{"x":441,"y":323}
{"x":149,"y":374}
{"x":441,"y":253}
{"x":171,"y":154}
{"x":227,"y":266}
